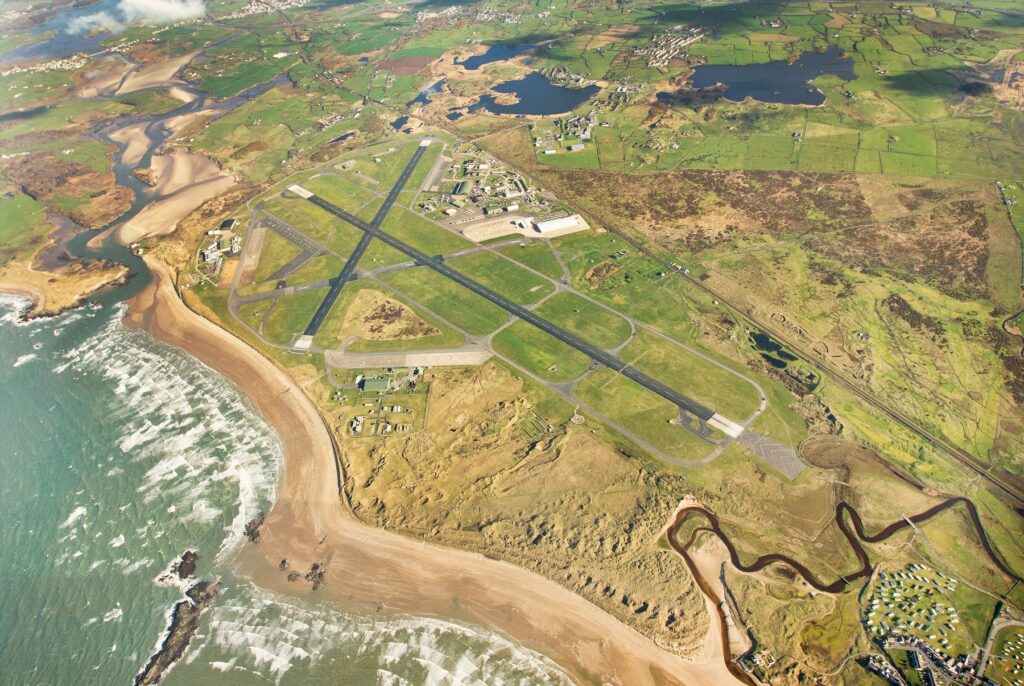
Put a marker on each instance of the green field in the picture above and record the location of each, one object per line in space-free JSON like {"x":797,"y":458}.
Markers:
{"x":341,"y":192}
{"x":585,"y":319}
{"x":290,"y":315}
{"x":537,"y":256}
{"x":460,"y":306}
{"x":691,"y":375}
{"x":421,"y":233}
{"x":540,"y":353}
{"x":503,"y":276}
{"x":330,"y":333}
{"x":277,"y":251}
{"x":321,"y":226}
{"x":907,"y":91}
{"x":641,"y":412}
{"x":22,"y":224}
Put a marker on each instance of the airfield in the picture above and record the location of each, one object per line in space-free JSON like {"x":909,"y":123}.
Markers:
{"x":478,"y":301}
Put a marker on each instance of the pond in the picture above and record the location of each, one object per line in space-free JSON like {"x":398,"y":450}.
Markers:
{"x":537,"y":96}
{"x":342,"y":138}
{"x":423,"y":97}
{"x":495,"y":53}
{"x":771,"y":351}
{"x":399,"y":123}
{"x":779,"y":82}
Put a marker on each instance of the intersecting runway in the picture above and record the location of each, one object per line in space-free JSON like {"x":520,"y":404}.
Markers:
{"x":350,"y":264}
{"x":372,"y":230}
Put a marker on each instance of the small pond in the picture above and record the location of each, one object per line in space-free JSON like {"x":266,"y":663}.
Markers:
{"x":772,"y":352}
{"x":342,"y":138}
{"x":423,"y":97}
{"x":779,"y":82}
{"x":399,"y":123}
{"x":537,"y":96}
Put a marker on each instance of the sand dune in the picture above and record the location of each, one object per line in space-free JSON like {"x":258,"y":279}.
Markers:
{"x":309,"y":523}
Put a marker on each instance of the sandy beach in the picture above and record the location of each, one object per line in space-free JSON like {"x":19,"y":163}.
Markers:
{"x":310,"y":523}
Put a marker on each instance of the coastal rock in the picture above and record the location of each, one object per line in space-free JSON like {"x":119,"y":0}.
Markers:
{"x":184,"y":624}
{"x":186,"y":566}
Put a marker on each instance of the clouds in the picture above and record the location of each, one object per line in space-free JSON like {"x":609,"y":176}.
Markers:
{"x":143,"y":11}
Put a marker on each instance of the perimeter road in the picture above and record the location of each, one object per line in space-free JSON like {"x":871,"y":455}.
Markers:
{"x":593,"y":352}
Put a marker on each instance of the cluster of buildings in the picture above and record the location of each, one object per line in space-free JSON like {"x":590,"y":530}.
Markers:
{"x":427,"y":15}
{"x":668,"y":46}
{"x":377,"y":418}
{"x":222,"y":243}
{"x":578,"y":128}
{"x":1011,"y":659}
{"x":908,"y":611}
{"x":880,"y":666}
{"x":478,"y":185}
{"x":378,"y":424}
{"x":255,"y":7}
{"x":488,"y":15}
{"x":70,"y":63}
{"x":561,"y":76}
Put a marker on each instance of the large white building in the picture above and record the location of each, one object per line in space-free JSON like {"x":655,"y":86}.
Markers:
{"x":573,"y":222}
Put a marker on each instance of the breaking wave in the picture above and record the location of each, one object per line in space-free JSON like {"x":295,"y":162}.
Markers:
{"x":204,"y":452}
{"x":258,"y":632}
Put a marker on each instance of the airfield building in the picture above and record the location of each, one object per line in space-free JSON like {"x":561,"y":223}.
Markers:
{"x":549,"y":226}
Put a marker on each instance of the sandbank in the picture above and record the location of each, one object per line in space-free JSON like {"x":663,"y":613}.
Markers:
{"x":180,"y":168}
{"x":135,"y":140}
{"x":161,"y":216}
{"x":156,"y":75}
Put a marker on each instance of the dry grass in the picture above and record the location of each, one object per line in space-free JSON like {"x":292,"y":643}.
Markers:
{"x":375,"y":317}
{"x":565,"y":505}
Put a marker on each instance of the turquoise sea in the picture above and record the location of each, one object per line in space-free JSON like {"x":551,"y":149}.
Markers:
{"x":118,"y":454}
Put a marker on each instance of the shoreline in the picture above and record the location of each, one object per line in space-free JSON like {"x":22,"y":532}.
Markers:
{"x":308,"y":523}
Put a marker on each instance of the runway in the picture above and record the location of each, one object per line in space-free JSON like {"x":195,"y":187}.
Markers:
{"x":372,"y":230}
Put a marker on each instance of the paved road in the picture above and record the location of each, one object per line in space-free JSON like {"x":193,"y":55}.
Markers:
{"x":372,"y":229}
{"x":593,"y":352}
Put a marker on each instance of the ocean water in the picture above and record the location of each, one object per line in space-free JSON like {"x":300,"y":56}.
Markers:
{"x":118,"y":454}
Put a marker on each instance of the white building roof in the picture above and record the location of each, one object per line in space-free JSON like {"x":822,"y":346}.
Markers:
{"x":560,"y":223}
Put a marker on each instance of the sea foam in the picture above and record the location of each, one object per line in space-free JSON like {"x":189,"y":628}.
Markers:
{"x":269,"y":634}
{"x":206,"y":455}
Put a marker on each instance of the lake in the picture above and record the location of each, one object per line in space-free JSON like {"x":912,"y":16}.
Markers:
{"x":778,"y":82}
{"x":495,"y":53}
{"x":537,"y":96}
